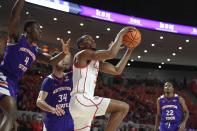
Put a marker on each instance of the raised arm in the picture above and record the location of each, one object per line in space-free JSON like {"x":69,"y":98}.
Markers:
{"x":157,"y":119}
{"x":116,"y":70}
{"x":48,"y":59}
{"x":185,"y":113}
{"x":15,"y":19}
{"x":110,"y":53}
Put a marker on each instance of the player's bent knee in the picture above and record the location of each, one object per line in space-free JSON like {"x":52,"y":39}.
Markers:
{"x":118,"y":106}
{"x":126,"y":108}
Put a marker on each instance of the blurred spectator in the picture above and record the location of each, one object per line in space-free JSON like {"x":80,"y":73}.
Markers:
{"x":36,"y":123}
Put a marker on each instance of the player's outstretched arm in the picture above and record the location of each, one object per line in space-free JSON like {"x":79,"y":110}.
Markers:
{"x":116,"y":70}
{"x":48,"y":59}
{"x":41,"y":103}
{"x":14,"y":20}
{"x":185,"y":114}
{"x":157,"y":119}
{"x":110,"y":53}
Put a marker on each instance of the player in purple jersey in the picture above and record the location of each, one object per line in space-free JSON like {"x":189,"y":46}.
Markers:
{"x":19,"y":55}
{"x":54,"y":98}
{"x":172,"y":112}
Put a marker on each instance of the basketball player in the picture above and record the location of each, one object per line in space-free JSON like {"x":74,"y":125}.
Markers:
{"x":84,"y":106}
{"x":54,"y":98}
{"x":172,"y":112}
{"x":18,"y":57}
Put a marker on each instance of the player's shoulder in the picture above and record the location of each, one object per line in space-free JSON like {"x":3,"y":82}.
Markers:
{"x":47,"y":83}
{"x":17,"y":40}
{"x":160,"y":97}
{"x":48,"y":78}
{"x":22,"y":38}
{"x":180,"y":98}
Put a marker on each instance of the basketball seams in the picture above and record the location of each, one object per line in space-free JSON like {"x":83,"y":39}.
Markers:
{"x":127,"y":37}
{"x":132,"y":38}
{"x":137,"y":37}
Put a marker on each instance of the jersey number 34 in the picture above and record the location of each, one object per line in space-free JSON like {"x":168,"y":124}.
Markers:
{"x":62,"y":97}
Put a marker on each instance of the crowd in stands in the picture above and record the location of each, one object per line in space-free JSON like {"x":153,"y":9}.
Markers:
{"x":141,"y":95}
{"x":29,"y":122}
{"x":193,"y":86}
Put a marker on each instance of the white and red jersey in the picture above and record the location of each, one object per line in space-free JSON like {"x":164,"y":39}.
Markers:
{"x":84,"y":78}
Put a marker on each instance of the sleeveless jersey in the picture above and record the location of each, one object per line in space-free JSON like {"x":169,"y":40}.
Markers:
{"x":18,"y":58}
{"x":84,"y":79}
{"x":58,"y":91}
{"x":171,"y":109}
{"x":58,"y":96}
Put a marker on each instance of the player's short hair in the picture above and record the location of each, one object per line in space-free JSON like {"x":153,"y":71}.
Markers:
{"x":80,"y":40}
{"x":29,"y":23}
{"x":171,"y":82}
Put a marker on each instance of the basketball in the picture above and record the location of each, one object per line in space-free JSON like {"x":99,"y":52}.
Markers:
{"x":132,"y":38}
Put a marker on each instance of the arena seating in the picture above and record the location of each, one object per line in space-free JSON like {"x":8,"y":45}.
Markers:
{"x":141,"y":96}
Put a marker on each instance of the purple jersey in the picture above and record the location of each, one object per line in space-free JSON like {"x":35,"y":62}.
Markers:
{"x":58,"y":95}
{"x":58,"y":91}
{"x":18,"y":58}
{"x":171,"y":109}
